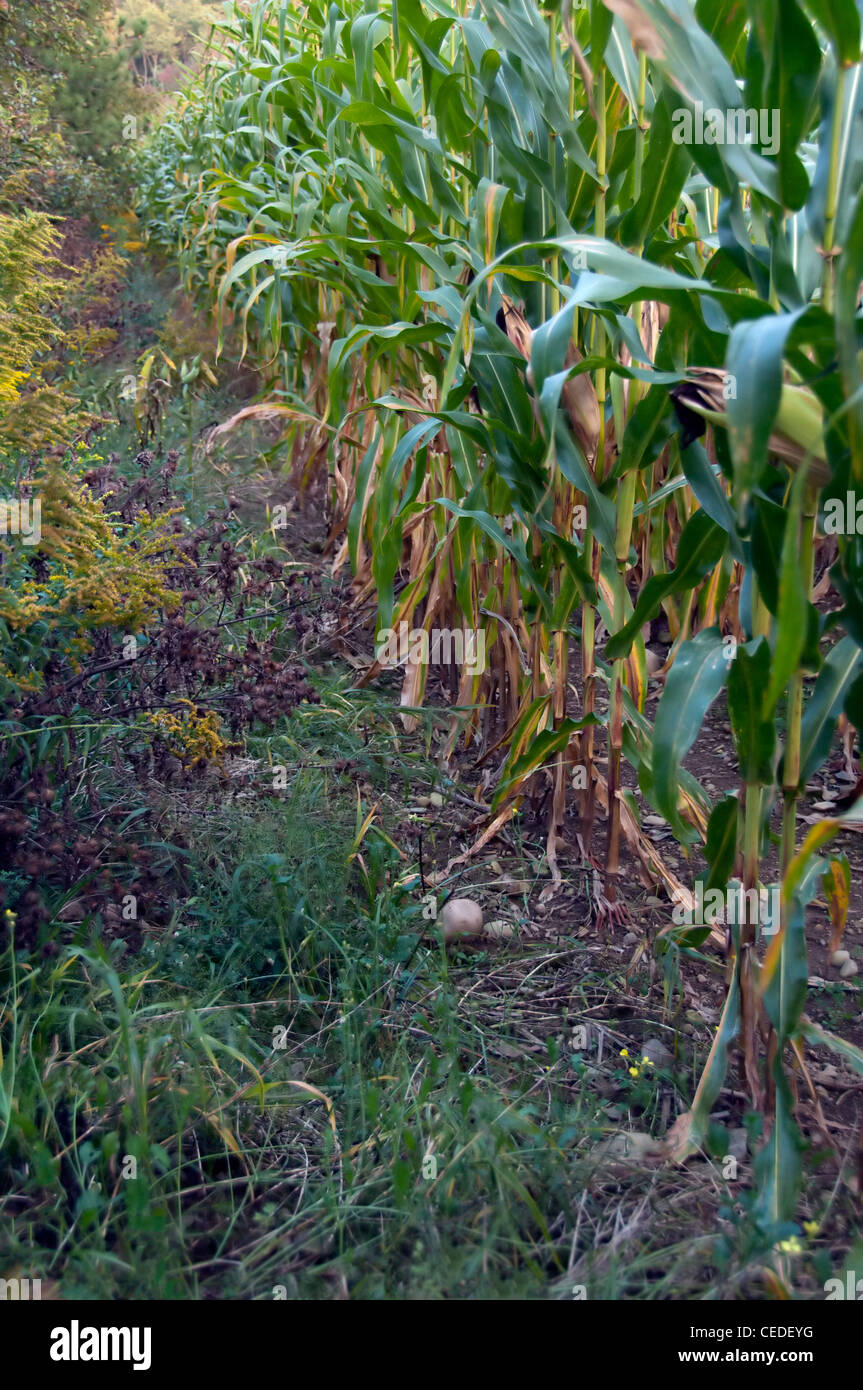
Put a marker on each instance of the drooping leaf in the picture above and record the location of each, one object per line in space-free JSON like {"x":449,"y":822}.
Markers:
{"x":699,"y":672}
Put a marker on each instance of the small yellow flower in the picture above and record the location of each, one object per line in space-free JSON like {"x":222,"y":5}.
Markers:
{"x":624,"y":1052}
{"x":646,"y":1062}
{"x":811,"y":1228}
{"x":790,"y":1247}
{"x":633,"y":1071}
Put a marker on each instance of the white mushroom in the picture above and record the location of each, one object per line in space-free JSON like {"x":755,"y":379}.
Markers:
{"x":461,"y":917}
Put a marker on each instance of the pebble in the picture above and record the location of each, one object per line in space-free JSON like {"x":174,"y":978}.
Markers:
{"x":499,"y":930}
{"x":840,"y":957}
{"x":658,"y":1053}
{"x":629,"y":1143}
{"x":516,"y":887}
{"x":849,"y":968}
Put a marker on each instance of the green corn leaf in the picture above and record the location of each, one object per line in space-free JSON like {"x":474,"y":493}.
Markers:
{"x":699,"y":672}
{"x":754,"y":736}
{"x":842,"y":666}
{"x":754,"y":364}
{"x":701,"y":547}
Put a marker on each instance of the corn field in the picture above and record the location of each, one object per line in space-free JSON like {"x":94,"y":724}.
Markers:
{"x":564,"y":304}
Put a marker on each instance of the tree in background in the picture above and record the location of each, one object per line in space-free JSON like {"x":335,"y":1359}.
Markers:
{"x":168,"y":34}
{"x":30,"y":29}
{"x":95,"y":94}
{"x":71,"y":76}
{"x":67,"y":89}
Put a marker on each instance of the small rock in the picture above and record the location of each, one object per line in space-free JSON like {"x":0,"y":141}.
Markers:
{"x":654,"y":661}
{"x":630,"y":1144}
{"x":515,"y":887}
{"x":737,"y":1144}
{"x":461,"y":917}
{"x":499,"y":930}
{"x":73,"y":911}
{"x":840,"y":957}
{"x":658,"y":1053}
{"x":630,"y":939}
{"x":849,"y":968}
{"x":606,"y":1086}
{"x":435,"y":799}
{"x":655,"y":902}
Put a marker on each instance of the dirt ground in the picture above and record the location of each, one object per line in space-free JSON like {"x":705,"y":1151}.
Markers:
{"x":629,"y":997}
